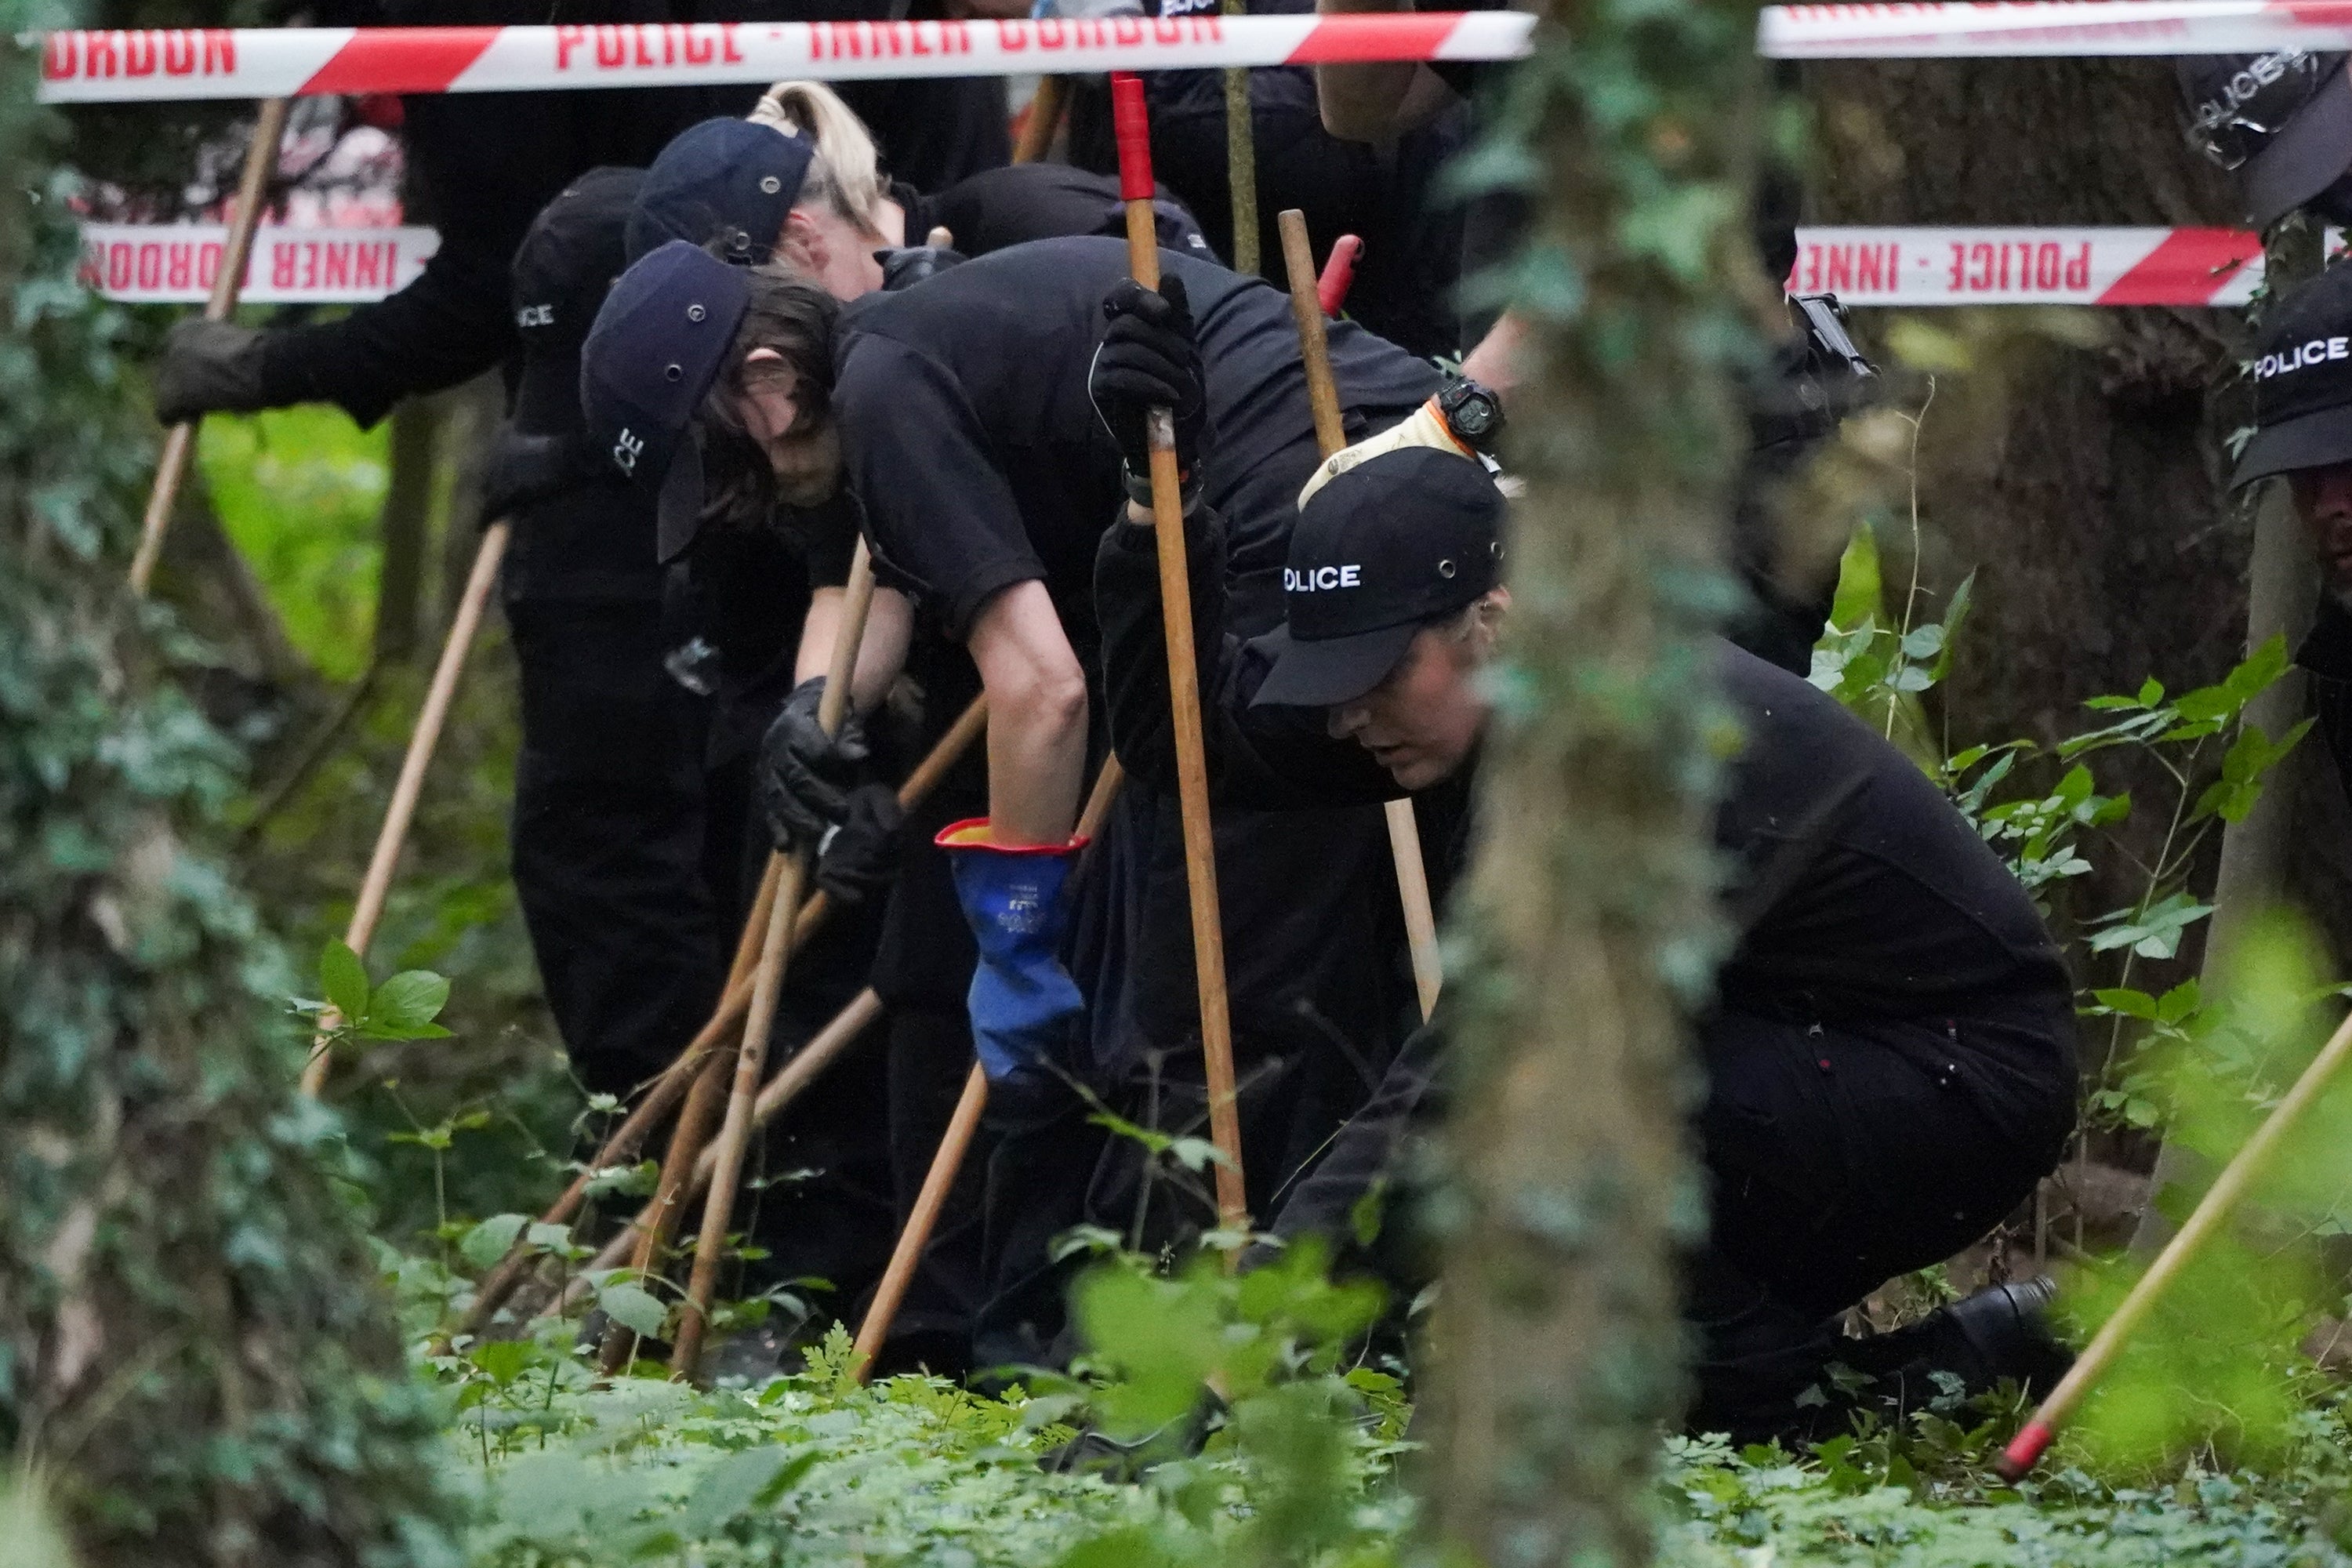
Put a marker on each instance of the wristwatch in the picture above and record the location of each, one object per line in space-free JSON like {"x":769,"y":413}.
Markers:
{"x":1474,"y":414}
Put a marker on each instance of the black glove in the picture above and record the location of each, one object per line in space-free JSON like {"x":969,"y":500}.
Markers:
{"x":524,"y":470}
{"x":806,"y":775}
{"x":209,"y":367}
{"x":1148,"y":359}
{"x":862,"y":860}
{"x":906,"y":268}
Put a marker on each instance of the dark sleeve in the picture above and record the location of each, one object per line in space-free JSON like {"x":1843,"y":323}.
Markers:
{"x":940,"y":519}
{"x":447,"y":326}
{"x":2326,"y":656}
{"x":456,"y":320}
{"x":1263,"y":759}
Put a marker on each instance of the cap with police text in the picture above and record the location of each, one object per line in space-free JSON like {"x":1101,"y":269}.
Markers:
{"x":2302,"y":382}
{"x":731,"y":178}
{"x":2281,"y":122}
{"x":655,"y":352}
{"x":568,"y":258}
{"x":1393,"y":544}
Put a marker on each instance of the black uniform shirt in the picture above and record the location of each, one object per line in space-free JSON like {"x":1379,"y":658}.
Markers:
{"x":967,"y":432}
{"x":1022,"y":202}
{"x":1858,"y":896}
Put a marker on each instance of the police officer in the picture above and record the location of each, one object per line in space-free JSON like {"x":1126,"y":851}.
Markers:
{"x":958,"y":413}
{"x":800,"y":182}
{"x":2302,"y":433}
{"x":1890,"y":1052}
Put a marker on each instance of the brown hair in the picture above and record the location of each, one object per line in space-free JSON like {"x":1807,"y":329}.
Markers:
{"x":795,"y":317}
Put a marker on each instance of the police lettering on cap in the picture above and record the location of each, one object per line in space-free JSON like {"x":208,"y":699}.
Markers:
{"x":726,"y":180}
{"x":2281,"y":122}
{"x":655,"y":350}
{"x":2302,"y":382}
{"x":1402,"y":539}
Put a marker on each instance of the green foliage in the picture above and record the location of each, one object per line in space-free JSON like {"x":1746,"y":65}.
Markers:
{"x":194,"y":1362}
{"x":298,"y":491}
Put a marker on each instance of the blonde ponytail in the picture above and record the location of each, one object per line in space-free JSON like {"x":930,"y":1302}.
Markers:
{"x":844,"y":174}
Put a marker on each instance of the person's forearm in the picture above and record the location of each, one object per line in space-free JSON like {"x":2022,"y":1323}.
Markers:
{"x":1495,"y":362}
{"x":1036,"y":762}
{"x":1381,"y":100}
{"x":1036,"y":716}
{"x":889,"y":625}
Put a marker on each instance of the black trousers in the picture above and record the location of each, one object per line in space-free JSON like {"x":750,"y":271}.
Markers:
{"x":617,"y":866}
{"x":1838,"y":1158}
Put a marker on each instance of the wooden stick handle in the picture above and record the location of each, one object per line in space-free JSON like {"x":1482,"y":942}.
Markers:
{"x":1331,"y":435}
{"x":377,"y":885}
{"x":1045,"y":111}
{"x":956,"y":1142}
{"x":751,"y":1057}
{"x":666,"y":1090}
{"x":807,"y":1065}
{"x":921,"y":1220}
{"x":2211,"y":1212}
{"x":1183,"y":679}
{"x":260,"y":162}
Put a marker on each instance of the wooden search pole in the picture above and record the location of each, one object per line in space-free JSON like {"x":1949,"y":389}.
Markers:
{"x":735,"y":1000}
{"x":767,"y":985}
{"x":1331,"y":435}
{"x":1045,"y":111}
{"x":260,"y":163}
{"x":954,"y":1144}
{"x":2211,"y":1212}
{"x":1134,"y":132}
{"x":376,"y":885}
{"x":807,"y":1065}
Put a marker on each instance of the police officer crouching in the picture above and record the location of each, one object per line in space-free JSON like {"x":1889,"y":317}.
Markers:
{"x":1890,"y":1052}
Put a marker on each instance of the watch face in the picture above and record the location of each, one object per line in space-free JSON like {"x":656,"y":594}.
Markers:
{"x":1476,"y":414}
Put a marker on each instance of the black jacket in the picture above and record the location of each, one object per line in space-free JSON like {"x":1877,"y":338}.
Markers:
{"x":1856,"y":893}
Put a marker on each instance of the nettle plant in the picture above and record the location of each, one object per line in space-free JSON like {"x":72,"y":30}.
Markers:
{"x":2214,"y":762}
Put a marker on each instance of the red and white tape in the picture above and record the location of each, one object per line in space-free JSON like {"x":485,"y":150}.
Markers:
{"x":2053,"y":27}
{"x":97,"y":66}
{"x":175,"y":263}
{"x":100,"y":65}
{"x":2029,"y":266}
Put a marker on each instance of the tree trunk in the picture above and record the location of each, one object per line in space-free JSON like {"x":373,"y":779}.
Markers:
{"x":405,"y":529}
{"x":1556,"y":1343}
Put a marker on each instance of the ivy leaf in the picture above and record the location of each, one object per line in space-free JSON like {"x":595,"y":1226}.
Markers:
{"x":344,"y":979}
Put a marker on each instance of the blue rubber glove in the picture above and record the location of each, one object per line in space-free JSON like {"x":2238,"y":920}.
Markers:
{"x":1022,"y":999}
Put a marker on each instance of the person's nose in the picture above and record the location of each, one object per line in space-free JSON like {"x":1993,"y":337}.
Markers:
{"x":1346,"y":719}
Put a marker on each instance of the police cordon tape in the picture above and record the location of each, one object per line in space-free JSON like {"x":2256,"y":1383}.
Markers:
{"x":175,"y":263}
{"x":99,"y":65}
{"x":93,"y":66}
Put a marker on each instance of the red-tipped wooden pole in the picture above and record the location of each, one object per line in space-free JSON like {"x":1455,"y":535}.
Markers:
{"x":1135,"y":187}
{"x":2212,"y":1212}
{"x":1338,"y":273}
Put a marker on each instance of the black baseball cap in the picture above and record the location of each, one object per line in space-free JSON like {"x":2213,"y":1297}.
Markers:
{"x":568,"y":260}
{"x":2302,"y":382}
{"x":1390,"y":545}
{"x":655,"y":352}
{"x":2281,"y":122}
{"x":734,"y":178}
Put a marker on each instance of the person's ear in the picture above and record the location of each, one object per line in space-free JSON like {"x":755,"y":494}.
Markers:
{"x":801,"y":243}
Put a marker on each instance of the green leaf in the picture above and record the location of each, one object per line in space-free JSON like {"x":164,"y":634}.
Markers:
{"x":488,"y":1242}
{"x":634,"y":1308}
{"x":501,"y":1360}
{"x":408,"y":1000}
{"x":2130,"y":1003}
{"x":2151,"y":692}
{"x":344,"y":979}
